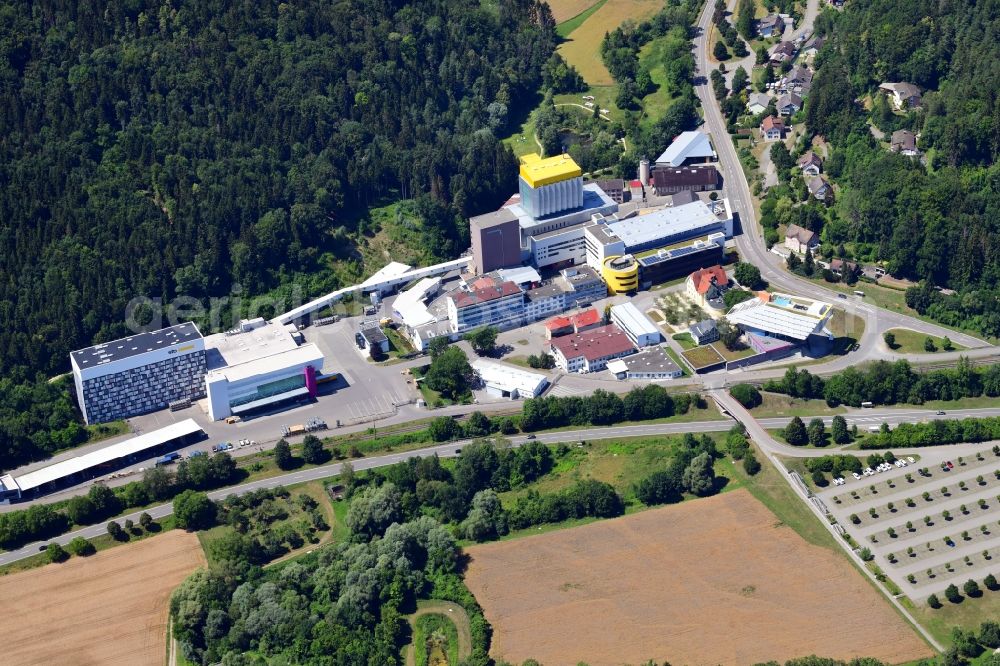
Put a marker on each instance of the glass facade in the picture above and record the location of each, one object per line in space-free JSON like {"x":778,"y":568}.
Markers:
{"x":270,"y":389}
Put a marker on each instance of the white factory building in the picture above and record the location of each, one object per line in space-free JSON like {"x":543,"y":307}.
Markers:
{"x":256,"y":365}
{"x":641,"y":331}
{"x":505,"y":381}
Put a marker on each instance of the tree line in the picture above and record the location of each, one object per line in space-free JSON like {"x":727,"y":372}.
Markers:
{"x":935,"y":433}
{"x":890,"y":383}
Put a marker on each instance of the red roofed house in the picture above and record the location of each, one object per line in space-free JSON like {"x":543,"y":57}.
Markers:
{"x":590,"y":351}
{"x":773,"y":128}
{"x":558,"y":326}
{"x":586,"y":320}
{"x":499,"y":304}
{"x":706,"y":286}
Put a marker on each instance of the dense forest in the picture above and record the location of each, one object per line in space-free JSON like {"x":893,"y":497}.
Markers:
{"x":183,"y":148}
{"x":932,"y":219}
{"x":160,"y":148}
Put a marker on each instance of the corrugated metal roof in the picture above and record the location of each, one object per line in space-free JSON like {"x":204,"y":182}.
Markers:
{"x":130,"y":446}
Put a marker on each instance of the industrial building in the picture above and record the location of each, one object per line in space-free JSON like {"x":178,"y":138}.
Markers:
{"x":543,"y":223}
{"x":688,"y":148}
{"x":641,"y":331}
{"x":550,"y":185}
{"x":139,"y":374}
{"x":486,"y":302}
{"x":640,"y":251}
{"x":504,"y":381}
{"x":590,"y":351}
{"x":670,"y":180}
{"x":790,"y":318}
{"x":496,"y":241}
{"x":106,"y":459}
{"x":256,"y":365}
{"x":650,"y":364}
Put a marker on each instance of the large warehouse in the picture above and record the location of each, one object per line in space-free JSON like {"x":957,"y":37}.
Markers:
{"x":258,"y":365}
{"x":84,"y":467}
{"x":139,"y":374}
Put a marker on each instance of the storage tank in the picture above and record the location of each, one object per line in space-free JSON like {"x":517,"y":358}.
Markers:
{"x":644,"y":172}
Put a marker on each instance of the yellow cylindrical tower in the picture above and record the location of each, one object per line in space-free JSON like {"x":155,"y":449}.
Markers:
{"x":621,"y":274}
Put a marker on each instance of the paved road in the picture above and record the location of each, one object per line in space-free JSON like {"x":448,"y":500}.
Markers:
{"x":567,"y":436}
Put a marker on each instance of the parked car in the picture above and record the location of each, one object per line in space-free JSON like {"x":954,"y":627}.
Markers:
{"x":940,"y":412}
{"x":530,"y":437}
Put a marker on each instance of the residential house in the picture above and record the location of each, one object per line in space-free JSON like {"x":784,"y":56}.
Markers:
{"x":811,"y":164}
{"x":788,"y":104}
{"x":757,"y":103}
{"x":670,"y":180}
{"x":782,"y":51}
{"x":770,"y":25}
{"x":798,"y":80}
{"x":812,"y":47}
{"x":704,"y":332}
{"x":798,"y":239}
{"x":772,"y":128}
{"x":706,"y":287}
{"x":903,"y":95}
{"x":840,"y":266}
{"x":818,"y":187}
{"x":904,"y":142}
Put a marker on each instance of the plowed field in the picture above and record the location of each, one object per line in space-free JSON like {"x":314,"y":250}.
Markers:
{"x":107,"y":609}
{"x":713,"y":581}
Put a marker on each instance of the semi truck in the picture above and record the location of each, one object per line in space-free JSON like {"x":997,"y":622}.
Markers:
{"x":168,"y":459}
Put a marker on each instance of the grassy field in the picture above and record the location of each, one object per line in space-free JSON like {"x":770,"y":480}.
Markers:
{"x":98,"y":431}
{"x":778,"y":404}
{"x":968,"y":614}
{"x":571,"y":14}
{"x":655,"y":104}
{"x":685,"y":340}
{"x":436,"y":640}
{"x":619,"y":462}
{"x":583,"y":45}
{"x":699,"y":357}
{"x":911,"y":342}
{"x":733,"y":354}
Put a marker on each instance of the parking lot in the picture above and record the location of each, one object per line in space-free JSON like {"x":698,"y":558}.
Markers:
{"x":929,"y":524}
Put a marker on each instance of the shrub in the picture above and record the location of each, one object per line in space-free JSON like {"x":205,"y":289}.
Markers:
{"x":866,"y":555}
{"x":990,"y":582}
{"x":746,"y":394}
{"x":952,"y":594}
{"x":116,"y":531}
{"x":971,"y":589}
{"x":56,"y":553}
{"x":933,"y":601}
{"x":81,"y":547}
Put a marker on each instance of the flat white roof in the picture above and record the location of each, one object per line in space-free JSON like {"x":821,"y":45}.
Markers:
{"x":509,"y":378}
{"x":391,"y":270}
{"x":617,"y":366}
{"x":410,"y":306}
{"x":225,"y":349}
{"x":520,"y":274}
{"x":301,"y":355}
{"x":676,"y":222}
{"x":685,"y":146}
{"x":631,"y":318}
{"x":130,"y":446}
{"x":785,"y":315}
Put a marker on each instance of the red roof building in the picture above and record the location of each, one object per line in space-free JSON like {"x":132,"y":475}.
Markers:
{"x":586,"y":320}
{"x":558,"y":326}
{"x":590,"y":351}
{"x":704,"y":279}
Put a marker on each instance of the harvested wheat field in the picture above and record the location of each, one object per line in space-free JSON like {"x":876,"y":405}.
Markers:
{"x":582,"y":49}
{"x":564,"y":10}
{"x":714,"y":581}
{"x":109,"y":608}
